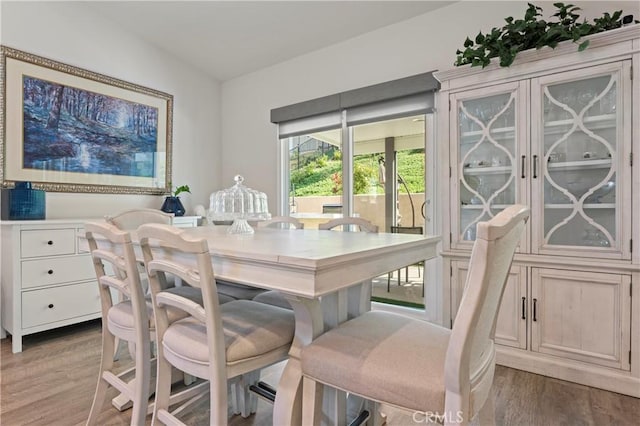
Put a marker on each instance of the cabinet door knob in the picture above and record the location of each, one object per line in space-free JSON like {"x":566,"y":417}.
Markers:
{"x":50,"y":272}
{"x":50,"y":305}
{"x":50,"y":242}
{"x":535,"y":309}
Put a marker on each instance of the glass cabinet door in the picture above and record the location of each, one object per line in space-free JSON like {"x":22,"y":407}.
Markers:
{"x":578,"y":163}
{"x":488,"y":151}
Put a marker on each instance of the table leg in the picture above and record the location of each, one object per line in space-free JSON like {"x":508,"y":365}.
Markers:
{"x":312,"y":319}
{"x":287,"y":409}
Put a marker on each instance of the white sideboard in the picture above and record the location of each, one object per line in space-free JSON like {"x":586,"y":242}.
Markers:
{"x":48,"y":280}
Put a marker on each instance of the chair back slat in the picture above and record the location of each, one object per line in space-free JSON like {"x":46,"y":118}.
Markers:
{"x":362,"y":224}
{"x":109,"y":256}
{"x":113,"y":247}
{"x":113,"y":282}
{"x":286,"y":222}
{"x":165,"y":298}
{"x":130,"y":220}
{"x":186,"y":273}
{"x":470,"y":359}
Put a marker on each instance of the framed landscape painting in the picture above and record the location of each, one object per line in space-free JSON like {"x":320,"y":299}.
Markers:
{"x":72,"y":130}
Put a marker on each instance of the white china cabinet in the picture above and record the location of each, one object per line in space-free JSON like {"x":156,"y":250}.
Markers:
{"x":556,"y":131}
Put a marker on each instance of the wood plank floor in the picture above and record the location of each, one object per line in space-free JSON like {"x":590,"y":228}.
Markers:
{"x":52,"y":383}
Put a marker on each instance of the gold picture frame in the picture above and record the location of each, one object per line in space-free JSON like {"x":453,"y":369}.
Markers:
{"x":66,"y":129}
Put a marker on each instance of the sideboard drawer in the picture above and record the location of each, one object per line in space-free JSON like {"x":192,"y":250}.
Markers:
{"x":59,"y":303}
{"x":47,"y":242}
{"x":56,"y":270}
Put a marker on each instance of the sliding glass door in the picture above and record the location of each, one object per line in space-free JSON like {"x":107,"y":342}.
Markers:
{"x":366,"y":152}
{"x":384,"y":181}
{"x":389,"y":190}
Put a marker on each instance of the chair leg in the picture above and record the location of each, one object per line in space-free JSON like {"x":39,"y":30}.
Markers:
{"x":247,"y":400}
{"x":106,"y":364}
{"x":218,"y":401}
{"x":141,"y":385}
{"x":232,"y":391}
{"x":376,"y":418}
{"x":311,"y":401}
{"x":116,"y":351}
{"x":389,"y":274}
{"x":121,"y":402}
{"x":163,"y":386}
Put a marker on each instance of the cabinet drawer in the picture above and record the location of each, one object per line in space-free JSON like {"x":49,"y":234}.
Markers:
{"x":59,"y":303}
{"x":185,"y":221}
{"x":47,"y":242}
{"x":56,"y":270}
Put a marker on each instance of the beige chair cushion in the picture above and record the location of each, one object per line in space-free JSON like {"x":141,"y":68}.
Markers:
{"x":121,"y":315}
{"x":356,"y":356}
{"x":250,"y":329}
{"x":274,"y":298}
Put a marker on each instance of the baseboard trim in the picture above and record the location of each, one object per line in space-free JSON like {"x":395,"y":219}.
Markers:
{"x":573,"y":371}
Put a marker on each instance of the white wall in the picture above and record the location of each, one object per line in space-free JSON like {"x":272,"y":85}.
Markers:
{"x":71,"y":33}
{"x":424,"y":43}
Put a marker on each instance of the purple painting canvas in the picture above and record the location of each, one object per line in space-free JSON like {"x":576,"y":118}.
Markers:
{"x":74,"y":130}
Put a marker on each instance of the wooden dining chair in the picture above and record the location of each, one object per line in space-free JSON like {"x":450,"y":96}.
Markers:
{"x":358,"y":300}
{"x":448,"y":373}
{"x":130,"y":320}
{"x":214,"y":342}
{"x":130,"y":220}
{"x":348,"y":223}
{"x":282,"y":222}
{"x":273,"y":297}
{"x":417,"y":230}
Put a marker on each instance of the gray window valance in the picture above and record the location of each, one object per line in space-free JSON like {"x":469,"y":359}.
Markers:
{"x":416,"y":90}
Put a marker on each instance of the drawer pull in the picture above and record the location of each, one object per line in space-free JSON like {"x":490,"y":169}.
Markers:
{"x":50,"y":305}
{"x":50,"y":272}
{"x":50,"y":242}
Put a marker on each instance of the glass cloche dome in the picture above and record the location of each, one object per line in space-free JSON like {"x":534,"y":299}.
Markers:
{"x":238,"y":204}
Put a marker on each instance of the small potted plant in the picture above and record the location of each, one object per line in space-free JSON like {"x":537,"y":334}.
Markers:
{"x":172,"y":203}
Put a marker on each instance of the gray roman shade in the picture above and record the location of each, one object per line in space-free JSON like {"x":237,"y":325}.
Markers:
{"x":397,"y":98}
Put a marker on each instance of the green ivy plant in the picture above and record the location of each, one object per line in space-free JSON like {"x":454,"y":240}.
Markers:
{"x":533,"y":32}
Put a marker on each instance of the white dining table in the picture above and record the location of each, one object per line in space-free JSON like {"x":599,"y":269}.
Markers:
{"x":322,"y":274}
{"x":325,"y":275}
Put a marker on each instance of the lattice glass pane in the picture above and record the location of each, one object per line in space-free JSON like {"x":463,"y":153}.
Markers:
{"x":486,"y":155}
{"x":580,"y":148}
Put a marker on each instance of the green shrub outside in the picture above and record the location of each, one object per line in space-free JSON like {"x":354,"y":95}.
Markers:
{"x":315,"y":179}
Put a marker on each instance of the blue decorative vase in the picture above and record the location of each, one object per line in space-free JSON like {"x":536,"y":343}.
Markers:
{"x":173,"y":205}
{"x":23,"y":203}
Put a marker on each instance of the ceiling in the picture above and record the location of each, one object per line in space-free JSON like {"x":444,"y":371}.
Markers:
{"x":227,"y":39}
